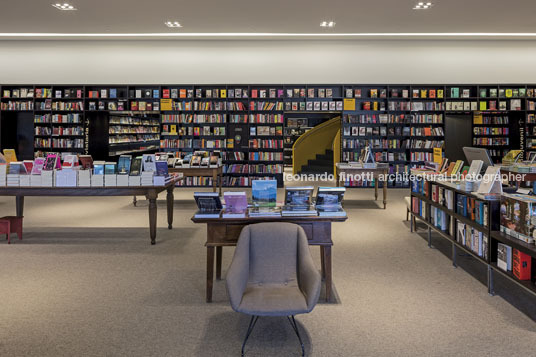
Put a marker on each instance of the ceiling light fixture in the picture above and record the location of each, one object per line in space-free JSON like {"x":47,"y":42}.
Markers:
{"x":423,"y":6}
{"x":173,"y":24}
{"x":64,"y":7}
{"x":327,"y":24}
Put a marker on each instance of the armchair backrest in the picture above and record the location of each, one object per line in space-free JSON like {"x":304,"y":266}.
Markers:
{"x":273,"y":253}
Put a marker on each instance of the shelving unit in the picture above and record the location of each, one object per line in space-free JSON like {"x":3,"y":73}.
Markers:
{"x":466,"y":220}
{"x":401,"y":107}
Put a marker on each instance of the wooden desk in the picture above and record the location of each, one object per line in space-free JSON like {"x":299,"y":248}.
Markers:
{"x":151,"y":192}
{"x":224,"y":232}
{"x":377,"y":173}
{"x":216,"y":173}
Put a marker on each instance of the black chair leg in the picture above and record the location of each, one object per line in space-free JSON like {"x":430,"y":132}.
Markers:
{"x":251,"y":326}
{"x":295,"y":327}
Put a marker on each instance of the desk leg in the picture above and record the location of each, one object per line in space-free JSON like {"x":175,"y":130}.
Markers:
{"x":210,"y":272}
{"x":376,"y":190}
{"x":219,"y":253}
{"x":384,"y":194}
{"x":19,"y":201}
{"x":214,"y":181}
{"x":327,"y":268}
{"x":323,"y":269}
{"x":152,"y":217}
{"x":170,"y":198}
{"x":221,"y":181}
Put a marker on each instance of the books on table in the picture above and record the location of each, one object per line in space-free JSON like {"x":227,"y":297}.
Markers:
{"x":298,"y":202}
{"x":264,"y":212}
{"x":236,"y":205}
{"x":208,"y":204}
{"x":329,"y":201}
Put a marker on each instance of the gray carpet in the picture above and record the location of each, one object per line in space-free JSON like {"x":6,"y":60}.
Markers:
{"x":86,"y":282}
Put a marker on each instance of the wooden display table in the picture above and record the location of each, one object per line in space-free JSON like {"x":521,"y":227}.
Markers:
{"x":224,"y":232}
{"x":380,"y":172}
{"x":215,"y":172}
{"x":150,"y":192}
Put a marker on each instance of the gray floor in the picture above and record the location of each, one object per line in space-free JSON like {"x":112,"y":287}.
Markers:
{"x":86,"y":282}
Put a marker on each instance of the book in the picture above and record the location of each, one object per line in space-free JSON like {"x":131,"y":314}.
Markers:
{"x":264,"y":212}
{"x":236,"y":205}
{"x":149,"y":162}
{"x":504,"y":257}
{"x":70,"y":161}
{"x":521,"y":265}
{"x":299,"y":197}
{"x":161,"y":168}
{"x":208,"y":204}
{"x":329,"y":201}
{"x":10,"y":155}
{"x":264,"y":192}
{"x":38,"y":165}
{"x":50,"y":162}
{"x":86,"y":162}
{"x":123,"y":164}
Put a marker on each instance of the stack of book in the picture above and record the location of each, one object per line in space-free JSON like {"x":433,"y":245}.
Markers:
{"x":298,"y":202}
{"x":14,"y":172}
{"x":3,"y":174}
{"x":209,"y":205}
{"x":97,"y":179}
{"x":264,"y":195}
{"x":110,"y":175}
{"x":236,"y":205}
{"x":329,"y":201}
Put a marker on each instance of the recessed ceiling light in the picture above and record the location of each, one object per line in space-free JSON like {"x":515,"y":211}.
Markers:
{"x":173,"y":24}
{"x":422,"y":6}
{"x":327,"y":24}
{"x":64,"y":7}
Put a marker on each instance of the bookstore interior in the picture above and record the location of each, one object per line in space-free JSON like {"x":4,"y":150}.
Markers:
{"x":103,"y":128}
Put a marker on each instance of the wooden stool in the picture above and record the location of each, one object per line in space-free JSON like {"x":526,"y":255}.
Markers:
{"x":11,"y":224}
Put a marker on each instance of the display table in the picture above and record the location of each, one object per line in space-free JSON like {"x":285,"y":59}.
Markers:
{"x":151,"y":192}
{"x":216,"y":173}
{"x":224,"y":232}
{"x":379,"y":173}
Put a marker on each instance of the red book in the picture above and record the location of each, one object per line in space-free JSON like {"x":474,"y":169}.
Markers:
{"x":165,"y":93}
{"x":253,"y":93}
{"x":521,"y":265}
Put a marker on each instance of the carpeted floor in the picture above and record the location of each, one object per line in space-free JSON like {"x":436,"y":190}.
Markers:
{"x":86,"y":282}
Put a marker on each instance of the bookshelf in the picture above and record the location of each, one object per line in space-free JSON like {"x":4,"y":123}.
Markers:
{"x":470,"y":224}
{"x":465,"y":220}
{"x":405,"y":120}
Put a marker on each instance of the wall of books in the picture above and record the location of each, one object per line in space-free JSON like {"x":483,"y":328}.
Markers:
{"x":402,"y":123}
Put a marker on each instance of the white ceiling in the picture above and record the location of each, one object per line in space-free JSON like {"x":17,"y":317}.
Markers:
{"x":268,"y":16}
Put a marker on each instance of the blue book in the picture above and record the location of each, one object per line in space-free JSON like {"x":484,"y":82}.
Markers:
{"x":113,"y":93}
{"x":156,"y":93}
{"x":161,"y":168}
{"x":264,"y":192}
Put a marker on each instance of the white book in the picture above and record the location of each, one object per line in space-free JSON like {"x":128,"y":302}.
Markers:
{"x":110,"y":180}
{"x":122,"y":180}
{"x":24,"y":180}
{"x":35,"y":180}
{"x":66,"y":178}
{"x":97,"y":180}
{"x":134,"y":180}
{"x":84,"y":178}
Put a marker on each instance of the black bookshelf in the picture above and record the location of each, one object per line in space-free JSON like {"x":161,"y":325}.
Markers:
{"x":404,"y":105}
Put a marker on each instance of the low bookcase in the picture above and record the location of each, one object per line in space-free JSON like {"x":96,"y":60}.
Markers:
{"x":466,"y":220}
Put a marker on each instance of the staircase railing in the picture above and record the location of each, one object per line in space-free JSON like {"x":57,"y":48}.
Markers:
{"x":315,"y":141}
{"x":336,"y":147}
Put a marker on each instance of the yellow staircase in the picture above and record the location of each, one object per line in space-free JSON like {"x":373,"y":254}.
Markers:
{"x":317,"y":145}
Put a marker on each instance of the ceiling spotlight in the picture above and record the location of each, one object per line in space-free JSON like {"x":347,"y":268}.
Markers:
{"x":64,"y":7}
{"x":422,"y":6}
{"x":172,"y":24}
{"x":327,"y":24}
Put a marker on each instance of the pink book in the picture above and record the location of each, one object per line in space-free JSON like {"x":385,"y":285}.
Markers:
{"x":38,"y":165}
{"x":235,"y":202}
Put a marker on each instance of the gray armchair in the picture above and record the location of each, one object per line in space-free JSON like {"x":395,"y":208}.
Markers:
{"x":273,"y":274}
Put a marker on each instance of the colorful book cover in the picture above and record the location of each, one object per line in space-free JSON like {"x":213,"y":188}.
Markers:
{"x":264,"y":192}
{"x":10,"y":155}
{"x":161,"y":168}
{"x":235,"y":202}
